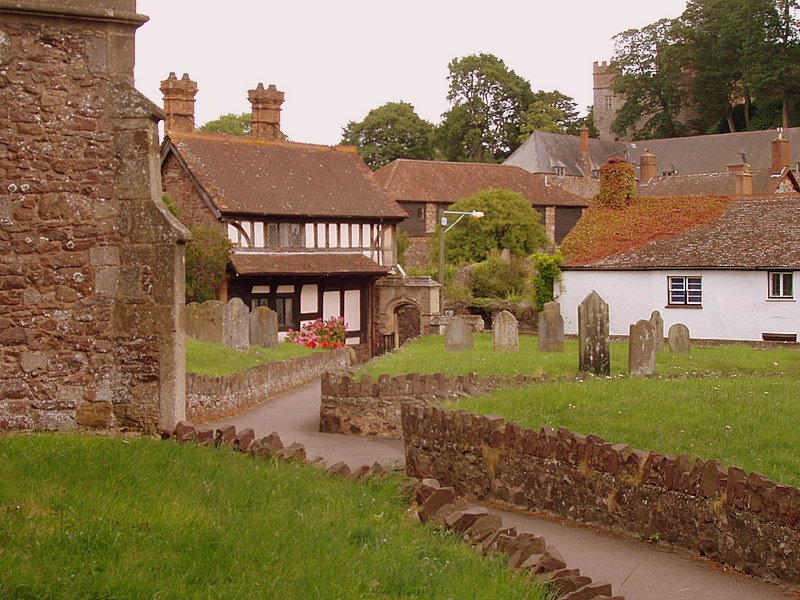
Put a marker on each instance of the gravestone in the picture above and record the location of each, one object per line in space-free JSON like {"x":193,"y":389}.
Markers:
{"x":593,"y":340}
{"x":204,"y":321}
{"x":263,"y":327}
{"x":235,"y":325}
{"x":641,"y":348}
{"x":458,"y":335}
{"x":551,"y":328}
{"x":679,"y":342}
{"x":506,"y":332}
{"x":657,"y":324}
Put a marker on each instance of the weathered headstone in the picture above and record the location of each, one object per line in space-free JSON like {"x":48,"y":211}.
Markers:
{"x":458,"y":335}
{"x":506,"y":332}
{"x":679,"y":342}
{"x":593,"y":341}
{"x":657,"y":325}
{"x":204,"y":321}
{"x":551,"y":328}
{"x":641,"y":348}
{"x":235,"y":325}
{"x":263,"y":327}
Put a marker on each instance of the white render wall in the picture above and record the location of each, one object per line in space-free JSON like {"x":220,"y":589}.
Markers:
{"x":735,"y":303}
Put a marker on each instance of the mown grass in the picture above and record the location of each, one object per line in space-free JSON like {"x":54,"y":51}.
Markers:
{"x":97,"y":517}
{"x":745,"y":421}
{"x":427,"y":355}
{"x":205,"y":358}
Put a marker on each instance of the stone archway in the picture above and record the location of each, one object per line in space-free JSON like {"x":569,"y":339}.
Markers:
{"x":403,"y":308}
{"x":407,"y":322}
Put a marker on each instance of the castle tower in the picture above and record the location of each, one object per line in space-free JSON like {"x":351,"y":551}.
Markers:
{"x":606,"y":103}
{"x":266,"y":105}
{"x":179,"y":102}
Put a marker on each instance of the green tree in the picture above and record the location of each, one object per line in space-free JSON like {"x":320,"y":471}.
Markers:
{"x":391,"y":131}
{"x":489,"y":101}
{"x":230,"y":123}
{"x":206,"y":261}
{"x":496,"y":278}
{"x":509,"y":222}
{"x":554,"y":112}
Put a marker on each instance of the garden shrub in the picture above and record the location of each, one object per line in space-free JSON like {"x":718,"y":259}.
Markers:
{"x":320,"y":333}
{"x":496,"y":278}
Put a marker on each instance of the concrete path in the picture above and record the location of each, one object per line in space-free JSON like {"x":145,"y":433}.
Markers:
{"x":637,"y":570}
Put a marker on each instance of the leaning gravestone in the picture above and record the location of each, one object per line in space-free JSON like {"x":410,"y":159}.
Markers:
{"x":679,"y":342}
{"x":263,"y":327}
{"x":204,"y":321}
{"x":235,"y":325}
{"x":641,"y":348}
{"x":657,"y":325}
{"x":551,"y":328}
{"x":593,"y":340}
{"x":458,"y":335}
{"x":506,"y":332}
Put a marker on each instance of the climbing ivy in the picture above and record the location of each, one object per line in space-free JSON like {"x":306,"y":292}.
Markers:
{"x":617,"y":183}
{"x":548,"y":271}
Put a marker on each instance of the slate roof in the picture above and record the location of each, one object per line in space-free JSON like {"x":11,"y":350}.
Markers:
{"x":754,"y":232}
{"x":764,"y":182}
{"x":685,"y":155}
{"x":406,"y":180}
{"x":304,"y":263}
{"x":245,"y":176}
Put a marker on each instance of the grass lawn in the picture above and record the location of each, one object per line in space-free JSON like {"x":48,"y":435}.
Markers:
{"x":427,"y":355}
{"x":99,"y":517}
{"x":745,"y":421}
{"x":205,"y":358}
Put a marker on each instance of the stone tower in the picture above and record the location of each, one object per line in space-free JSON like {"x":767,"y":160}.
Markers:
{"x":266,"y":105}
{"x":179,"y":102}
{"x":606,"y":103}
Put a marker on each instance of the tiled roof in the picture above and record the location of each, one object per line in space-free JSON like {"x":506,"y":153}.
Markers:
{"x":764,"y":182}
{"x":542,"y":151}
{"x":304,"y":263}
{"x":445,"y":182}
{"x":246,"y":176}
{"x":753,"y":232}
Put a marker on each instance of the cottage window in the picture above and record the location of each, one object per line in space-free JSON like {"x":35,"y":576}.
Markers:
{"x":561,"y":171}
{"x":781,"y":285}
{"x":272,"y":234}
{"x":284,"y":308}
{"x":685,"y":291}
{"x":420,"y":213}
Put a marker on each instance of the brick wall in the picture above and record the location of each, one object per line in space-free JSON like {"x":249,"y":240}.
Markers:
{"x":179,"y":187}
{"x":210,"y":398}
{"x":739,"y":519}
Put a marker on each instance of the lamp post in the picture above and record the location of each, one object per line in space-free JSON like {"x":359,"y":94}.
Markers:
{"x":475,"y":214}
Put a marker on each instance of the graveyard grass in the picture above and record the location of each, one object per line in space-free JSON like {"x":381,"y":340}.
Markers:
{"x":140,"y":518}
{"x":205,"y":358}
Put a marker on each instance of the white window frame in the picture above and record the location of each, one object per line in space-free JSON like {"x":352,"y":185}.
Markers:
{"x":685,"y":290}
{"x":779,"y":291}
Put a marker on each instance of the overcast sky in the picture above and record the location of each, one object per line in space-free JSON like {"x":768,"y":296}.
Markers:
{"x":337,"y":60}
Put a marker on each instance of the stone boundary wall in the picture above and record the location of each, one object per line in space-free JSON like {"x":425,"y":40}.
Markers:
{"x":743,"y":520}
{"x":370,"y":408}
{"x":210,"y":398}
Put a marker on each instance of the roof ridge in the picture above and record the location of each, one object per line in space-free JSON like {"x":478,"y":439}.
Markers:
{"x":245,"y":139}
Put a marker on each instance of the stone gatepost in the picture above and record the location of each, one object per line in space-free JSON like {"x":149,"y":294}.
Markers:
{"x":657,"y":324}
{"x":641,"y":348}
{"x":593,"y":340}
{"x":263,"y":327}
{"x":679,"y":341}
{"x":505,"y":331}
{"x":236,"y":325}
{"x":551,"y":328}
{"x":458,"y":335}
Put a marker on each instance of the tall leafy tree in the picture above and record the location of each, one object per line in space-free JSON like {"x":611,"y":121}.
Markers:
{"x":489,"y":101}
{"x":388,"y":132}
{"x":554,"y":112}
{"x":230,"y":123}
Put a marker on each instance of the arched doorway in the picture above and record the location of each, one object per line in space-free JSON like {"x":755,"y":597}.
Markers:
{"x":407,"y":322}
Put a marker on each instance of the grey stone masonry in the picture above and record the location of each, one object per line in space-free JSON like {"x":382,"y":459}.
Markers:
{"x":204,"y":321}
{"x":236,"y":325}
{"x":679,"y":342}
{"x":641,"y":348}
{"x":505,"y":331}
{"x":263,"y":327}
{"x":458,"y":335}
{"x":657,"y":324}
{"x":551,"y":328}
{"x":593,"y":339}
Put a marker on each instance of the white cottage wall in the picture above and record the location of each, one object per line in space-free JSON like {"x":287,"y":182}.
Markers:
{"x":735,"y":304}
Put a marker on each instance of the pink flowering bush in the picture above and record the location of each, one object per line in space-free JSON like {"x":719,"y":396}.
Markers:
{"x":320,"y":334}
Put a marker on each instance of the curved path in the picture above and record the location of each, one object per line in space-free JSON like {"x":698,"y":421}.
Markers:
{"x":638,"y":570}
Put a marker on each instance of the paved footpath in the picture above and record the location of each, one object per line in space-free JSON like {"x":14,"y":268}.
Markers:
{"x":637,"y":570}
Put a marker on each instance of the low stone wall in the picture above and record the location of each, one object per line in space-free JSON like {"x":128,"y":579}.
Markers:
{"x":372,"y":408}
{"x":742,"y":520}
{"x":210,"y":398}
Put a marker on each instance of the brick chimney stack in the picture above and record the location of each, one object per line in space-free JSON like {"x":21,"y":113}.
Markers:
{"x":648,"y":168}
{"x":744,"y":182}
{"x":266,"y":112}
{"x":584,"y":140}
{"x":781,"y":153}
{"x":584,"y":158}
{"x":179,"y":102}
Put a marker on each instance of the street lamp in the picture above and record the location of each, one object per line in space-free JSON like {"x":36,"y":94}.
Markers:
{"x":475,"y":214}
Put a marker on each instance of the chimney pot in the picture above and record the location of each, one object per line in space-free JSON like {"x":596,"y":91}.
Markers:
{"x":781,"y":153}
{"x":179,"y":102}
{"x":744,"y":182}
{"x":648,"y":167}
{"x":266,"y":115}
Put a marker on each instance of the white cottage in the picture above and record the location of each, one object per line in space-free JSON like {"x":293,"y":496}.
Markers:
{"x":729,"y":278}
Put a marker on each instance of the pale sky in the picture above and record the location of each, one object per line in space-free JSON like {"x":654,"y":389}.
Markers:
{"x":337,"y":60}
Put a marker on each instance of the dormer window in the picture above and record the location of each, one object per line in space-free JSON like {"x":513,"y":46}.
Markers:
{"x":596,"y":173}
{"x":561,"y":171}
